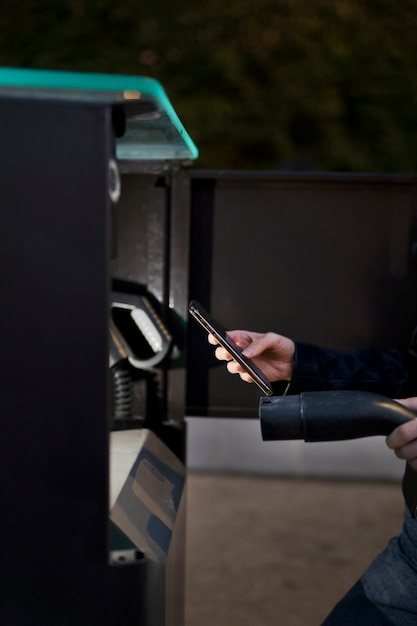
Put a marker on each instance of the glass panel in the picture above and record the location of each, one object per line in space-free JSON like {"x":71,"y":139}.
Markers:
{"x":152,"y":127}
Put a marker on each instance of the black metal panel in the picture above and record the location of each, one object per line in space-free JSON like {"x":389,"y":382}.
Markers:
{"x":54,"y":253}
{"x":151,"y":257}
{"x":152,"y":224}
{"x":322,"y":258}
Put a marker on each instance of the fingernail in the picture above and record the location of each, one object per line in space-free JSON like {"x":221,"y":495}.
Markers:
{"x":247,"y":352}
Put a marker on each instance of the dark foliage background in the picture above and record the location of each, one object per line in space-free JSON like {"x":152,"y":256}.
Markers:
{"x":259,"y":84}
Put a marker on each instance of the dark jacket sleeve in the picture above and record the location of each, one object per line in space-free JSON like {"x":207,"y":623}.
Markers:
{"x":392,"y":373}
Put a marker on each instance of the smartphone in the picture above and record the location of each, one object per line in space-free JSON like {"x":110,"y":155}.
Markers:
{"x":214,"y":328}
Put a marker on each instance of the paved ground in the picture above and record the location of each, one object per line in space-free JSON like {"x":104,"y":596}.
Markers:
{"x":267,"y":551}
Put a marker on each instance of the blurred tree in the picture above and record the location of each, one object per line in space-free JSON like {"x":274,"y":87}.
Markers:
{"x":277,"y":84}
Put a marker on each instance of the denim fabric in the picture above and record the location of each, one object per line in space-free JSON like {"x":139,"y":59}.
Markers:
{"x":356,"y":610}
{"x":390,"y":582}
{"x":387,"y":592}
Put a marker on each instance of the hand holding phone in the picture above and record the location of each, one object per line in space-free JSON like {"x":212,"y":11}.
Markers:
{"x":220,"y":334}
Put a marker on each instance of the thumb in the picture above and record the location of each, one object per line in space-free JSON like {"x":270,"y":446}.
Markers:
{"x":261,"y":344}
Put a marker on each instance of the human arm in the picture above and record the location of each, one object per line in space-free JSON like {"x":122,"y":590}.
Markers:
{"x":310,"y":368}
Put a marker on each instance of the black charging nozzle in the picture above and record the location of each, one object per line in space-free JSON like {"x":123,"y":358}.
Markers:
{"x":330,"y":416}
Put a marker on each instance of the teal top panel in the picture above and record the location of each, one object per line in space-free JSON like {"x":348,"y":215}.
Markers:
{"x":147,"y":125}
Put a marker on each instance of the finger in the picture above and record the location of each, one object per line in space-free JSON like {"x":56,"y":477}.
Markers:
{"x":262,"y":342}
{"x":234,"y":368}
{"x":408,"y":452}
{"x":242,"y":338}
{"x":402,"y":435}
{"x":410,"y":403}
{"x":222,"y":354}
{"x":212,"y":339}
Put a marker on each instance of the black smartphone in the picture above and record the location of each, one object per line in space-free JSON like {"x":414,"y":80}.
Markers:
{"x":214,"y":328}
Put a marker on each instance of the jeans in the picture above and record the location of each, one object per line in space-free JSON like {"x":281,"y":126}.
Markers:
{"x":386,"y":594}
